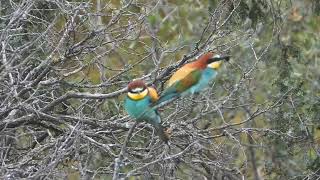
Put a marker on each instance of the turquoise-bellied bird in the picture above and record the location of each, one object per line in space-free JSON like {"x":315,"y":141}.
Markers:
{"x":138,"y":105}
{"x":193,"y":77}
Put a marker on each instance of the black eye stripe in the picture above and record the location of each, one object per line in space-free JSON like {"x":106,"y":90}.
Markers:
{"x":134,"y":90}
{"x":215,"y":59}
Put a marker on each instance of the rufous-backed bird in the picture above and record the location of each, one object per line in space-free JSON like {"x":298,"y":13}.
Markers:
{"x":138,"y":105}
{"x":193,"y":77}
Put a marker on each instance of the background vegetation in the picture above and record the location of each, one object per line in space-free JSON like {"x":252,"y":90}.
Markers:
{"x":65,"y":66}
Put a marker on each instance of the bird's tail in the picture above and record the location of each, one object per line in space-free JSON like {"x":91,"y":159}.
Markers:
{"x":170,"y":93}
{"x":166,"y":97}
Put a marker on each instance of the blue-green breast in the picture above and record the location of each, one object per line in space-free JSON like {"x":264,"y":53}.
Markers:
{"x":141,"y":111}
{"x":207,"y":77}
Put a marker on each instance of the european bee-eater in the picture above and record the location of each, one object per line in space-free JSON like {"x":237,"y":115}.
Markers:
{"x":138,"y":105}
{"x":193,"y":77}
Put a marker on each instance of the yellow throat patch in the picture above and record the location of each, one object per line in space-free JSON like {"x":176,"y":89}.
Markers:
{"x":138,"y":96}
{"x":215,"y":65}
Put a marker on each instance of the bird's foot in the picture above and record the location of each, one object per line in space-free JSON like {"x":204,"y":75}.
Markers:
{"x":167,"y":133}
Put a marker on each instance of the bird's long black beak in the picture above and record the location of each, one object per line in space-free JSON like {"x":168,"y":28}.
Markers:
{"x":215,"y":59}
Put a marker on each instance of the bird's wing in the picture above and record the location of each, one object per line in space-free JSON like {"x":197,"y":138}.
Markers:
{"x":180,"y":74}
{"x":189,"y":80}
{"x":153,"y":94}
{"x":180,"y":85}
